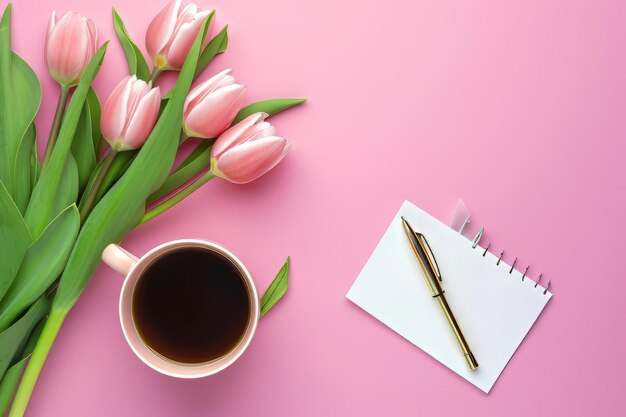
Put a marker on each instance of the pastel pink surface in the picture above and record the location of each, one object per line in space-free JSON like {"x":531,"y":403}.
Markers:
{"x":518,"y":108}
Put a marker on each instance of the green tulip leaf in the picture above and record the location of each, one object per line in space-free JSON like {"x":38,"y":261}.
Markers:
{"x":270,"y":107}
{"x":9,"y":383}
{"x":23,"y":180}
{"x":41,"y":207}
{"x":95,"y":111}
{"x":136,"y":62}
{"x":119,"y":165}
{"x":12,"y":375}
{"x":216,"y":46}
{"x":14,"y":338}
{"x":20,"y":96}
{"x":197,"y":161}
{"x":29,"y":344}
{"x":82,"y":147}
{"x":35,"y":167}
{"x":276,"y":290}
{"x":67,"y":193}
{"x":122,"y":207}
{"x":14,"y":239}
{"x":41,"y":265}
{"x":199,"y":151}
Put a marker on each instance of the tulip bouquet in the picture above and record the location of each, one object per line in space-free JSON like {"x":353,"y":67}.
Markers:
{"x":108,"y":169}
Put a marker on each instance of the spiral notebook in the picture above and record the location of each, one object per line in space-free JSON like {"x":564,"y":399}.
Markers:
{"x":494,"y":303}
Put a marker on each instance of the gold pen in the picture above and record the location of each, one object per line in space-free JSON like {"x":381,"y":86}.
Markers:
{"x":433,"y":279}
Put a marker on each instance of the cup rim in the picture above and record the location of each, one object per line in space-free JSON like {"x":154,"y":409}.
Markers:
{"x":159,"y":362}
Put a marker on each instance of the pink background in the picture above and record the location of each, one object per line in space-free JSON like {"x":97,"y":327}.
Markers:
{"x":517,"y":107}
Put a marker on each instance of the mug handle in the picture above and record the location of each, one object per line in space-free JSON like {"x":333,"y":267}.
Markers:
{"x":119,"y":259}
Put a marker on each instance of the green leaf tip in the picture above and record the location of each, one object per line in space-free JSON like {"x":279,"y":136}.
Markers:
{"x":5,"y":26}
{"x":7,"y":11}
{"x":137,"y":64}
{"x":277,"y":288}
{"x":271,"y":107}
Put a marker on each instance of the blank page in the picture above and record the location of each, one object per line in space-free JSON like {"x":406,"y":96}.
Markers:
{"x":494,"y":308}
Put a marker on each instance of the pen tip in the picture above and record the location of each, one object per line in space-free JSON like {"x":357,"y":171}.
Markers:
{"x":406,"y":226}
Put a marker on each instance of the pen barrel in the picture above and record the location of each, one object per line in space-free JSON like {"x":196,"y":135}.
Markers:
{"x":456,"y":330}
{"x":432,"y":275}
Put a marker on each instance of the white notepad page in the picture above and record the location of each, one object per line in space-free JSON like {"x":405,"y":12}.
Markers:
{"x":495,"y":309}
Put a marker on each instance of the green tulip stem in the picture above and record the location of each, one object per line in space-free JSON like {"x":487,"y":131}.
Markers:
{"x":154,"y":75}
{"x":56,"y":124}
{"x":35,"y":364}
{"x":93,"y":191}
{"x":177,"y":198}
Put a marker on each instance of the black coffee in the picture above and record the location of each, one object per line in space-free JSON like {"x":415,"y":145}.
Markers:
{"x":191,"y":305}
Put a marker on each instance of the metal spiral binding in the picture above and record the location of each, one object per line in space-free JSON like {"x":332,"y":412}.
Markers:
{"x":525,"y":272}
{"x":475,"y":242}
{"x":486,"y":249}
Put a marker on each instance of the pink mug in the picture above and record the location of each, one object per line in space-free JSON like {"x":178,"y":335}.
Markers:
{"x":132,"y":268}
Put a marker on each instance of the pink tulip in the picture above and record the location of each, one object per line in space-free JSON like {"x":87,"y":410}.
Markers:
{"x":70,"y":44}
{"x":247,"y":150}
{"x":212,"y":106}
{"x":172,"y":32}
{"x":130,"y":113}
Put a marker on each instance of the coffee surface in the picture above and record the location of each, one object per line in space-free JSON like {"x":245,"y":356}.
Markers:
{"x":191,"y":305}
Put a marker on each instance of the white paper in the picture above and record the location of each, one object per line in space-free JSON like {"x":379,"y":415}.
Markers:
{"x":495,"y":309}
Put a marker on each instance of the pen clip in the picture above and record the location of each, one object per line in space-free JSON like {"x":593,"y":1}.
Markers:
{"x":429,"y":254}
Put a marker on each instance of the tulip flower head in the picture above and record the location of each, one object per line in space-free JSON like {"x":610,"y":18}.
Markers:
{"x":172,"y":33}
{"x":70,"y":44}
{"x":212,"y":106}
{"x":130,"y":114}
{"x":248,"y":150}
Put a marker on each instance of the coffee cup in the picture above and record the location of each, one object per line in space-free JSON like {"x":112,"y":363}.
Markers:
{"x":188,"y":308}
